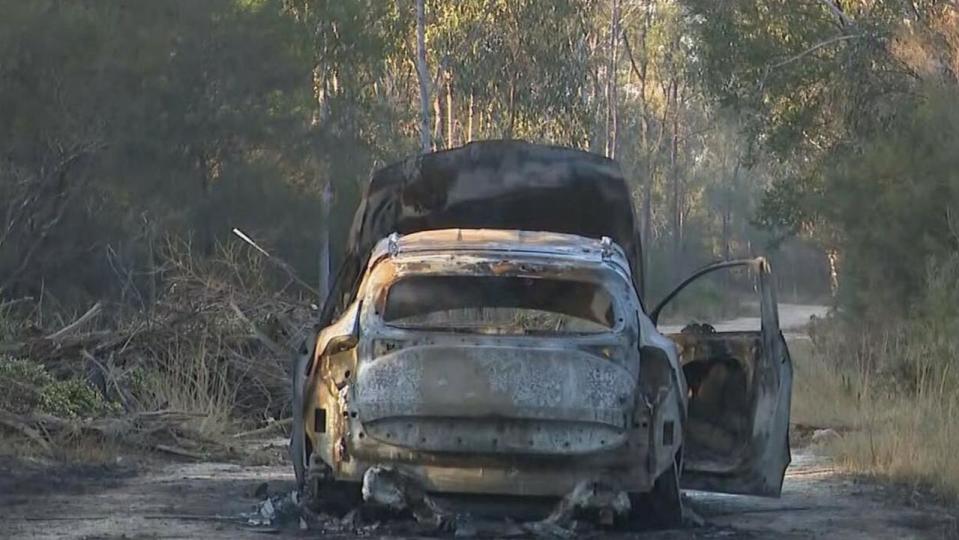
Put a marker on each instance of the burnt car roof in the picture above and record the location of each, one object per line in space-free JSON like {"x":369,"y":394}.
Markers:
{"x":509,"y":185}
{"x":567,"y":247}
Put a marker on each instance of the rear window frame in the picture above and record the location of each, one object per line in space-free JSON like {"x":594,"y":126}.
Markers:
{"x":380,"y":297}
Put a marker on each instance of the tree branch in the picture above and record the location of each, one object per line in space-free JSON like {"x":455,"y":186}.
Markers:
{"x":812,"y":49}
{"x":838,"y":13}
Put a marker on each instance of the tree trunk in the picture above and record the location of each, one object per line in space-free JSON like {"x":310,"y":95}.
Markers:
{"x":833,"y":256}
{"x":437,"y":121}
{"x":469,"y":120}
{"x":423,"y":73}
{"x":611,"y":99}
{"x":644,"y":136}
{"x":449,"y":110}
{"x":647,"y":218}
{"x":728,"y":211}
{"x":319,"y":96}
{"x":512,"y":108}
{"x":675,"y":180}
{"x":325,"y":270}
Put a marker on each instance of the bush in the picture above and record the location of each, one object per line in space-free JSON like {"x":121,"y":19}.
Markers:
{"x":74,"y":398}
{"x":891,"y":385}
{"x":23,"y":382}
{"x":31,"y":388}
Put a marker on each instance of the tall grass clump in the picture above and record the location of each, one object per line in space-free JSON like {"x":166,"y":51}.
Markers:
{"x":892,"y":386}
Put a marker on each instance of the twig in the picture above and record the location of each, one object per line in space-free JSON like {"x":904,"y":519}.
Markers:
{"x":277,"y":261}
{"x":10,"y":303}
{"x":265,"y":429}
{"x":193,"y":517}
{"x":179,"y":451}
{"x":66,"y":330}
{"x":259,"y":334}
{"x":813,"y":49}
{"x":63,"y":518}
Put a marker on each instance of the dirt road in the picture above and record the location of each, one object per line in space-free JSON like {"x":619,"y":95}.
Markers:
{"x":203,"y":500}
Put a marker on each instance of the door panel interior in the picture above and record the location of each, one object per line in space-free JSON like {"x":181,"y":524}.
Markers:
{"x":719,"y":369}
{"x":740,"y":386}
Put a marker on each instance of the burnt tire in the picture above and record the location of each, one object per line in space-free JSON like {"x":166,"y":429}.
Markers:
{"x":662,"y":507}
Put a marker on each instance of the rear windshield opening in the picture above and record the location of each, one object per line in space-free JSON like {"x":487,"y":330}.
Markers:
{"x":499,"y":305}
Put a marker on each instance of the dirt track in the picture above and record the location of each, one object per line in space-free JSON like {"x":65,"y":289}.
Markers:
{"x":201,"y":500}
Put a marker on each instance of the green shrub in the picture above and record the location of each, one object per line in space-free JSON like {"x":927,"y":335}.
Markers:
{"x":74,"y":398}
{"x":23,"y":382}
{"x":29,"y":388}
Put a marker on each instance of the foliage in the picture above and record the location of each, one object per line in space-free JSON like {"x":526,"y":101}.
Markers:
{"x":31,"y":388}
{"x":126,"y":125}
{"x":74,"y":398}
{"x":896,"y":203}
{"x":890,"y":388}
{"x":123,"y":123}
{"x":857,"y":101}
{"x":25,"y":381}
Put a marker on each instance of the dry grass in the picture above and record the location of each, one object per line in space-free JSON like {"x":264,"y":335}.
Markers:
{"x":194,"y":378}
{"x":208,"y":358}
{"x":892,"y":395}
{"x":820,"y":397}
{"x":906,"y":441}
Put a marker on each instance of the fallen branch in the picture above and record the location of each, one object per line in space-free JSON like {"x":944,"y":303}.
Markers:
{"x":194,"y":517}
{"x":179,"y":452}
{"x":274,"y":347}
{"x":66,"y":330}
{"x":147,"y":429}
{"x":265,"y":429}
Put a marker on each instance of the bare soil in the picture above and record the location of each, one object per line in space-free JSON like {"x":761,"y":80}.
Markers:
{"x":145,"y":498}
{"x":203,"y":500}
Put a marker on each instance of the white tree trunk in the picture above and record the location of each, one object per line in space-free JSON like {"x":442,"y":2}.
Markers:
{"x":611,"y":89}
{"x":424,"y":77}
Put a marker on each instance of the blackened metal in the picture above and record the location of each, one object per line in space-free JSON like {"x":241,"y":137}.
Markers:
{"x":491,"y":185}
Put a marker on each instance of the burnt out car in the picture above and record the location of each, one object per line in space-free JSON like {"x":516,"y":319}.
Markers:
{"x":487,"y":334}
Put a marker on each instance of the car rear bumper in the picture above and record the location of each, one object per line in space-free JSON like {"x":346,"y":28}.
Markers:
{"x":628,"y":468}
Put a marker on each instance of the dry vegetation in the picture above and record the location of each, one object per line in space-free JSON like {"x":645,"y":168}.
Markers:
{"x":889,"y":392}
{"x":208,"y":359}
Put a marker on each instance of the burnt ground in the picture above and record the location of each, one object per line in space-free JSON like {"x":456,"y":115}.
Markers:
{"x":203,"y":500}
{"x":149,"y":498}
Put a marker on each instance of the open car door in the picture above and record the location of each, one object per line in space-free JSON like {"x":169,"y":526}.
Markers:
{"x":740,"y":387}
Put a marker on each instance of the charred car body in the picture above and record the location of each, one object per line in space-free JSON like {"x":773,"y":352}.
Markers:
{"x":487,"y":335}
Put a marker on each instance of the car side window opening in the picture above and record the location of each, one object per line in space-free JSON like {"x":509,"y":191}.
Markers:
{"x":510,"y":305}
